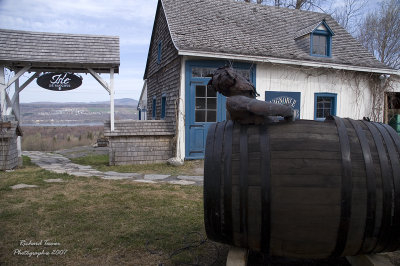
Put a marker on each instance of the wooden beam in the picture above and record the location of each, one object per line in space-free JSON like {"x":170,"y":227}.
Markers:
{"x":2,"y":93}
{"x":99,"y":79}
{"x":26,"y":83}
{"x":20,"y":88}
{"x":10,"y":108}
{"x":17,"y":75}
{"x":112,"y":99}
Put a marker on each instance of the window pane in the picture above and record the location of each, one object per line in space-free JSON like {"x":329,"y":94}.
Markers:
{"x":211,"y":92}
{"x":244,"y":73}
{"x":200,"y":103}
{"x":324,"y":106}
{"x":196,"y":72}
{"x":211,"y":116}
{"x":154,"y":108}
{"x":319,"y":44}
{"x":200,"y":116}
{"x":200,"y":91}
{"x":202,"y":72}
{"x":163,"y":104}
{"x":207,"y":72}
{"x":327,"y":112}
{"x":212,"y":103}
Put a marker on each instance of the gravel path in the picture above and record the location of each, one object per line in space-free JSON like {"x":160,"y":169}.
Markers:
{"x":60,"y":164}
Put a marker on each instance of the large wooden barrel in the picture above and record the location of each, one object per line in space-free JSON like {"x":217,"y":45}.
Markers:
{"x":303,"y":189}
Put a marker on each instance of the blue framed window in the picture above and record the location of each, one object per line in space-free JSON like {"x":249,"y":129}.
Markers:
{"x":159,"y":52}
{"x":321,"y":41}
{"x":325,"y":104}
{"x":163,"y":105}
{"x":154,"y":107}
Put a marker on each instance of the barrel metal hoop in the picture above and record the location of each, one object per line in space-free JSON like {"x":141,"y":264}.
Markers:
{"x":346,"y":190}
{"x":396,"y":140}
{"x":265,"y":175}
{"x":227,"y":175}
{"x":384,"y":234}
{"x":371,"y":188}
{"x":211,"y":186}
{"x":394,"y":160}
{"x":243,"y":183}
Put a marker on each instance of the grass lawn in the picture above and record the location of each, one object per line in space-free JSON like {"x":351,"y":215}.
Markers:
{"x":106,"y":222}
{"x":100,"y":162}
{"x":102,"y":222}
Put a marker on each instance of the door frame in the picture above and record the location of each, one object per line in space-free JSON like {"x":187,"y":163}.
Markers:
{"x":189,"y":80}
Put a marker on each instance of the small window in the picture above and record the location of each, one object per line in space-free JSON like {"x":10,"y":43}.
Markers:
{"x":159,"y":52}
{"x":154,"y":107}
{"x":163,"y":106}
{"x":206,"y":72}
{"x":321,"y":40}
{"x":324,"y":105}
{"x":205,"y":104}
{"x":319,"y":46}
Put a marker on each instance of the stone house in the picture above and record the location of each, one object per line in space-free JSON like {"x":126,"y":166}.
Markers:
{"x":302,"y":58}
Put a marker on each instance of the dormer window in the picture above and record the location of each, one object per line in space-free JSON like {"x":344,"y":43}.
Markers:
{"x":321,"y":40}
{"x":319,"y":45}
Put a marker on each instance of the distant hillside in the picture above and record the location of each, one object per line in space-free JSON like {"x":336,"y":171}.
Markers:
{"x":123,"y":101}
{"x":93,"y":113}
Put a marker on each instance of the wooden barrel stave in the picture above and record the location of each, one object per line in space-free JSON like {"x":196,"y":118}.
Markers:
{"x":305,"y":179}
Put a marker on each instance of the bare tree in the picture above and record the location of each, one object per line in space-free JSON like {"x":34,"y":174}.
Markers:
{"x":296,"y":4}
{"x":350,"y":14}
{"x":379,"y":32}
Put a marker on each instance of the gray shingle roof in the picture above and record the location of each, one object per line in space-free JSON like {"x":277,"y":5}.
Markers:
{"x":306,"y":30}
{"x":231,"y":27}
{"x":18,"y":48}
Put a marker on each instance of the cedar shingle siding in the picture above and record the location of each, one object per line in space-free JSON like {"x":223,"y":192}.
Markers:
{"x":41,"y":49}
{"x":164,"y":77}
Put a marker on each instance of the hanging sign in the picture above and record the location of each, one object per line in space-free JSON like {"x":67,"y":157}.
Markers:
{"x":291,"y":99}
{"x":59,"y":81}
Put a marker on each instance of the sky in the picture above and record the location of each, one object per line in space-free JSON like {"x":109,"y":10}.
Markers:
{"x":131,"y":20}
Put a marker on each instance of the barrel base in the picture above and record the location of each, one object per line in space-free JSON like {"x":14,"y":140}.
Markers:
{"x":370,"y":260}
{"x":237,"y":256}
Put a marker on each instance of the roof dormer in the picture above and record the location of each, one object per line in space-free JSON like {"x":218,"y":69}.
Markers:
{"x":320,"y":39}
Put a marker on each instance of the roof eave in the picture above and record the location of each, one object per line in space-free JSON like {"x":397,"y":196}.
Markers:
{"x":160,"y":5}
{"x":283,"y":61}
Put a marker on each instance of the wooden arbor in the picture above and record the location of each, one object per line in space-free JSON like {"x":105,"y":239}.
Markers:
{"x":37,"y":52}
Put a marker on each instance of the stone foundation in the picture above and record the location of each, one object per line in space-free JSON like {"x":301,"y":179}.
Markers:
{"x":9,"y":132}
{"x":140,"y":142}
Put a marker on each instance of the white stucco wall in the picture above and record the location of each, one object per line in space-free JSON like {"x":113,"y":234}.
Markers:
{"x":353,"y":101}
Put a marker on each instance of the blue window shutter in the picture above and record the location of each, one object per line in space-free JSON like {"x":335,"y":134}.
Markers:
{"x":154,"y":107}
{"x":140,"y":114}
{"x":163,"y":105}
{"x":159,"y":52}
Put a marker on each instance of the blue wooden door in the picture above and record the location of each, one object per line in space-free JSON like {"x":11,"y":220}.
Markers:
{"x":205,"y":107}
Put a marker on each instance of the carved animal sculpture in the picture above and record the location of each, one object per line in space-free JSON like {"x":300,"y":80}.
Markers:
{"x":228,"y":82}
{"x":241,"y":103}
{"x":246,"y":110}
